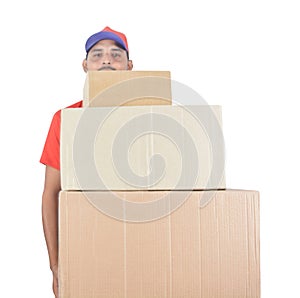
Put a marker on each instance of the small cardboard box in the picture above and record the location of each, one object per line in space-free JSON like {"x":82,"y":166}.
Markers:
{"x":135,"y":244}
{"x":117,"y":88}
{"x":142,"y":148}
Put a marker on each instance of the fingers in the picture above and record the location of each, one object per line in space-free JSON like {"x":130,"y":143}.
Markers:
{"x":55,"y":286}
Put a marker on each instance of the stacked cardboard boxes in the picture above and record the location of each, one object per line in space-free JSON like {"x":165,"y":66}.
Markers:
{"x":144,"y":210}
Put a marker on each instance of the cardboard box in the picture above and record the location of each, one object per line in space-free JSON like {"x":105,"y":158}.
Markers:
{"x":159,"y":244}
{"x":142,"y":148}
{"x":116,"y":88}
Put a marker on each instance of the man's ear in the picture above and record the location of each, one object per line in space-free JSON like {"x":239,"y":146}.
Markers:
{"x":130,"y":65}
{"x":84,"y":65}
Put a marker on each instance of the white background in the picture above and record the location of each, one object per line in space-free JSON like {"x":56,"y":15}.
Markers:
{"x":243,"y":55}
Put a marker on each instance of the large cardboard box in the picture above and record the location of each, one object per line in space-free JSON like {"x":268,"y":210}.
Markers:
{"x":115,"y":88}
{"x":135,"y":244}
{"x":142,"y":148}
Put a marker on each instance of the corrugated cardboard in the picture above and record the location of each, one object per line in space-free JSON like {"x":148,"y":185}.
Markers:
{"x":193,"y":251}
{"x":142,"y":147}
{"x":115,"y":88}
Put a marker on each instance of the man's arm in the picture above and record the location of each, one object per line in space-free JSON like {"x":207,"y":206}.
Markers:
{"x":51,"y":191}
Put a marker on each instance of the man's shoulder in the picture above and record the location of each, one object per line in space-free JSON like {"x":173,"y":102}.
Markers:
{"x":56,"y":116}
{"x":75,"y":105}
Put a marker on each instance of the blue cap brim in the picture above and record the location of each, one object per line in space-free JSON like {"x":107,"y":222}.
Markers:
{"x":101,"y":36}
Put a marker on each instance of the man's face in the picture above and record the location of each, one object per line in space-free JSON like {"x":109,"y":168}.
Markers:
{"x":106,"y":55}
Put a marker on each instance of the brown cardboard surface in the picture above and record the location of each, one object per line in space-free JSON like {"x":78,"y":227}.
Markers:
{"x":142,"y":147}
{"x":191,"y":251}
{"x":115,"y":88}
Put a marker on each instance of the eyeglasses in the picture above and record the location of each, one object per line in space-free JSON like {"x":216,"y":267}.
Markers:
{"x":114,"y":54}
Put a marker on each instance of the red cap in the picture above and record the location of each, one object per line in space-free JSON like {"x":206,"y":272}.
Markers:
{"x":107,"y":33}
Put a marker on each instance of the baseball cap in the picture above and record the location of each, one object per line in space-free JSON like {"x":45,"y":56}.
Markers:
{"x":107,"y":33}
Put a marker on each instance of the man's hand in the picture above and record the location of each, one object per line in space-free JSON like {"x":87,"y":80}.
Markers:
{"x":55,"y":280}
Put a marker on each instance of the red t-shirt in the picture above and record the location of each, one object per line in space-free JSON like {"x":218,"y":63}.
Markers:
{"x":51,"y":153}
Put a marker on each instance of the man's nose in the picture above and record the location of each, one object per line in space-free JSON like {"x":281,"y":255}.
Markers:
{"x":106,"y":59}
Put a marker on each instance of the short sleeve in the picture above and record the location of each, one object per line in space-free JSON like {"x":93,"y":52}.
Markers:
{"x":51,"y":152}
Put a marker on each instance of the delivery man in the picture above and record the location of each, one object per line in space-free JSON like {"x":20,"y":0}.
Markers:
{"x":105,"y":50}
